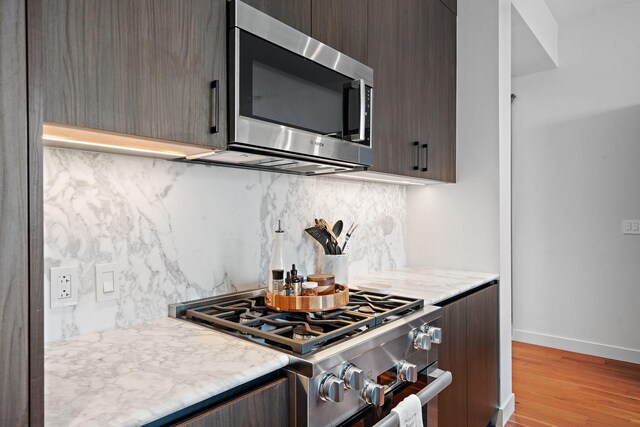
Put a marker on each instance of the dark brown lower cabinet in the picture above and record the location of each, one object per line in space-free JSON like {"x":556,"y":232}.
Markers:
{"x":482,"y":356}
{"x":469,"y":350}
{"x":452,"y":356}
{"x":265,"y":406}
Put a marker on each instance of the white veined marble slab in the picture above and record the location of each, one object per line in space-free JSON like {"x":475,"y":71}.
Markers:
{"x":431,"y":284}
{"x":183,"y":231}
{"x":132,"y":376}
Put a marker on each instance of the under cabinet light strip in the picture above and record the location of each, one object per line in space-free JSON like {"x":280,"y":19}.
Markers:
{"x":114,"y":147}
{"x":356,"y":176}
{"x":98,"y":140}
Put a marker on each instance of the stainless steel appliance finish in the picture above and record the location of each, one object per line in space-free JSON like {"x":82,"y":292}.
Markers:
{"x":361,"y":357}
{"x":426,"y":395}
{"x":295,"y":113}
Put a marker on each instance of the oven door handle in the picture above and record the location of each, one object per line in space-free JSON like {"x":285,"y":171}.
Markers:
{"x":443,"y":379}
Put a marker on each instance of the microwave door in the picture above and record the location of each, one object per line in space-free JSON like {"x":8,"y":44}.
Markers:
{"x":280,"y":87}
{"x":354,"y":110}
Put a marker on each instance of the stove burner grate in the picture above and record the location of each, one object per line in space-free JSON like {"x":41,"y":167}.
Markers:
{"x":300,"y":332}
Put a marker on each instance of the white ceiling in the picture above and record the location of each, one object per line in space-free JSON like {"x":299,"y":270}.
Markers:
{"x":566,"y":10}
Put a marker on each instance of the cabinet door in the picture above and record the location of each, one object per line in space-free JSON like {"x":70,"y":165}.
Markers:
{"x":412,"y":49}
{"x":452,"y":5}
{"x":266,"y":406}
{"x":436,"y":102}
{"x":295,"y":13}
{"x":390,"y":49}
{"x":139,"y":67}
{"x":452,"y":356}
{"x":342,"y":24}
{"x":482,"y":354}
{"x":14,"y":225}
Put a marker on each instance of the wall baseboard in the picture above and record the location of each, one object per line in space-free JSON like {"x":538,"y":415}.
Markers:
{"x":506,"y":410}
{"x":577,"y":346}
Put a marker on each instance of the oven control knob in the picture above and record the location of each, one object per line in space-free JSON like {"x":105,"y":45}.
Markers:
{"x":407,"y":372}
{"x":332,"y":388}
{"x":436,"y":333}
{"x":422,"y":339}
{"x":373,"y":393}
{"x":353,"y":377}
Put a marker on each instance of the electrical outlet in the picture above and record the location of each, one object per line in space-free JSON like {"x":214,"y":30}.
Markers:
{"x":64,"y":286}
{"x":631,"y":226}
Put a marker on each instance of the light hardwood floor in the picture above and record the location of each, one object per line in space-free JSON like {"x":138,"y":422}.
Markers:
{"x":560,"y":388}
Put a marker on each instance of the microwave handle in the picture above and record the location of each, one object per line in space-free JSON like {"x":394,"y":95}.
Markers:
{"x":363,"y":110}
{"x":443,"y":379}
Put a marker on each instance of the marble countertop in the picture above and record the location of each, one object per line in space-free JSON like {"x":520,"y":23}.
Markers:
{"x":431,"y":284}
{"x":135,"y":375}
{"x":139,"y":374}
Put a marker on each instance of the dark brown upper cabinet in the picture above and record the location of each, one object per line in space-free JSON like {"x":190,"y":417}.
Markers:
{"x":342,"y":24}
{"x":452,"y":5}
{"x":437,"y":120}
{"x":393,"y":51}
{"x":412,"y":49}
{"x":140,"y":67}
{"x":295,"y":13}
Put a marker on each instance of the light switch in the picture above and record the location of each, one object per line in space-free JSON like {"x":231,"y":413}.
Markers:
{"x":107,"y":282}
{"x":631,"y":226}
{"x":107,"y":276}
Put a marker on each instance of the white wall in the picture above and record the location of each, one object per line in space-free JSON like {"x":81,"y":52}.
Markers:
{"x":467,"y":225}
{"x":576,"y":176}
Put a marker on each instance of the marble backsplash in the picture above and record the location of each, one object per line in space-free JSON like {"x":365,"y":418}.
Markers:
{"x":182,"y":232}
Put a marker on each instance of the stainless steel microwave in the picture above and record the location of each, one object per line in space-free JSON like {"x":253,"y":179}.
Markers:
{"x":295,"y":104}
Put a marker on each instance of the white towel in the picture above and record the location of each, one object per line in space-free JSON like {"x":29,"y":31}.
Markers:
{"x":409,"y":411}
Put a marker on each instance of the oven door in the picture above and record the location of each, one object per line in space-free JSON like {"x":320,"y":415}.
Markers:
{"x":431,"y":381}
{"x":294,"y":94}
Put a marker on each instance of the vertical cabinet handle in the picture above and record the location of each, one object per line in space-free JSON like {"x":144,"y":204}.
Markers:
{"x":215,"y":112}
{"x":426,"y":157}
{"x":416,"y":165}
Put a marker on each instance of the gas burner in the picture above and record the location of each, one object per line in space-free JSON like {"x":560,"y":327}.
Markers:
{"x":367,"y":309}
{"x":304,"y":333}
{"x":248,"y":316}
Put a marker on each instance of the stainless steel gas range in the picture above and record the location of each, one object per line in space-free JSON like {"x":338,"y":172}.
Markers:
{"x":349,"y":366}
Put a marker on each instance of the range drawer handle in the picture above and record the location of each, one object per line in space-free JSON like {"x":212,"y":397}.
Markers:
{"x":443,"y":379}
